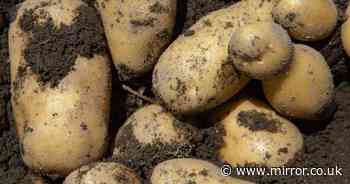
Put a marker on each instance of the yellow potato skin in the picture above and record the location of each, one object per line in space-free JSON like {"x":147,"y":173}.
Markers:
{"x":137,"y":32}
{"x":307,"y":20}
{"x":345,"y":32}
{"x":306,"y":90}
{"x":194,"y":74}
{"x":261,"y":50}
{"x":103,"y":172}
{"x":275,"y":146}
{"x":150,"y":125}
{"x":187,"y":170}
{"x":60,"y":128}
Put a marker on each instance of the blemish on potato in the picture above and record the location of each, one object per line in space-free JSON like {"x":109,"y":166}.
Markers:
{"x":158,"y":8}
{"x":258,"y":121}
{"x":143,"y":23}
{"x":189,"y":33}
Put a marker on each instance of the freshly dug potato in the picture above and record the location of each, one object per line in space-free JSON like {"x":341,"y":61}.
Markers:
{"x":137,"y":32}
{"x":306,"y":91}
{"x":152,"y":135}
{"x":307,"y":20}
{"x":103,"y":173}
{"x":185,"y":171}
{"x":195,"y":74}
{"x":256,"y":135}
{"x":345,"y":32}
{"x":261,"y":50}
{"x":61,"y":112}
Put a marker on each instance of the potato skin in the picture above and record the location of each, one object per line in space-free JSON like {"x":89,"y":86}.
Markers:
{"x":255,"y":134}
{"x":194,"y":74}
{"x":345,"y":35}
{"x":187,"y":170}
{"x":64,"y":127}
{"x":306,"y":91}
{"x":345,"y":32}
{"x":261,"y":50}
{"x":307,"y":20}
{"x":152,"y":130}
{"x":137,"y":32}
{"x":103,"y":172}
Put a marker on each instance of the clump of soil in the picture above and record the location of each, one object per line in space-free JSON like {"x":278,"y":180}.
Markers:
{"x":143,"y":157}
{"x":257,"y":121}
{"x":52,"y":51}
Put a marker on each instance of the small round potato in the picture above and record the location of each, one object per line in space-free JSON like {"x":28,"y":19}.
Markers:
{"x":186,"y":171}
{"x":261,"y":50}
{"x":153,"y":131}
{"x":137,"y":32}
{"x":61,"y":112}
{"x":307,"y":20}
{"x":306,"y":91}
{"x":103,"y":173}
{"x":256,"y":135}
{"x":195,"y":74}
{"x":345,"y":32}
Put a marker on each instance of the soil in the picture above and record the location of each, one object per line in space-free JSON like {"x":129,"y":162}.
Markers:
{"x":52,"y":51}
{"x":257,"y":121}
{"x":325,"y":142}
{"x":143,"y":157}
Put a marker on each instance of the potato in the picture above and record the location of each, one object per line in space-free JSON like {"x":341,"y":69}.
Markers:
{"x":307,"y":20}
{"x":185,"y":171}
{"x":256,"y":135}
{"x":345,"y":32}
{"x":152,"y":131}
{"x":261,"y":50}
{"x":137,"y":32}
{"x":61,"y":112}
{"x":194,"y":74}
{"x":103,"y":173}
{"x":306,"y":91}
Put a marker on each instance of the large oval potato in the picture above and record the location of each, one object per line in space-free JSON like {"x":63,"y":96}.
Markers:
{"x":256,"y":135}
{"x":186,"y":171}
{"x":306,"y":91}
{"x":137,"y":32}
{"x":60,"y":76}
{"x":103,"y":173}
{"x":194,"y":74}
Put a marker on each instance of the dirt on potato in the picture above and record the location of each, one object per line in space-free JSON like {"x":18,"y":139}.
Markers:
{"x":325,"y":146}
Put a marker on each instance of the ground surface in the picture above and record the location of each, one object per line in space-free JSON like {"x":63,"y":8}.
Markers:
{"x":326,"y":146}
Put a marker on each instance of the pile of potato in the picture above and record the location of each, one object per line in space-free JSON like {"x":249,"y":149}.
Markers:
{"x":63,"y":129}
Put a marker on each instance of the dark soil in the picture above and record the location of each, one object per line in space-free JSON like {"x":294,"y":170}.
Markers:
{"x":143,"y":157}
{"x":257,"y":121}
{"x":324,"y":147}
{"x":52,"y":51}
